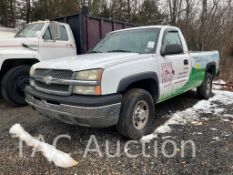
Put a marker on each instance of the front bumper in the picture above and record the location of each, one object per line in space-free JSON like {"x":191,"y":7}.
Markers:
{"x":83,"y":111}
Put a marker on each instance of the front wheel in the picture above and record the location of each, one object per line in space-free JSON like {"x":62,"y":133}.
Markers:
{"x":137,"y":114}
{"x":13,"y":85}
{"x":205,"y":90}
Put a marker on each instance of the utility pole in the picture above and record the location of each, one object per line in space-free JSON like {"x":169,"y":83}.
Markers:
{"x":85,"y":10}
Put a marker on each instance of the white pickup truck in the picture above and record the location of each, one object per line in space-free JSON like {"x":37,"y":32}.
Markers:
{"x":119,"y":83}
{"x":45,"y":40}
{"x":35,"y":42}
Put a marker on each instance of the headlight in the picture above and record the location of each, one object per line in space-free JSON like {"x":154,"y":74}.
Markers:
{"x":87,"y":90}
{"x":90,"y":75}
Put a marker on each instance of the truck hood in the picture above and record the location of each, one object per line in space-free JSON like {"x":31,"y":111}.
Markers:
{"x":16,"y":43}
{"x":89,"y":61}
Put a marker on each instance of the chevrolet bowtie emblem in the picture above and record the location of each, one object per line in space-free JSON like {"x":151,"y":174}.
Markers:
{"x":48,"y":80}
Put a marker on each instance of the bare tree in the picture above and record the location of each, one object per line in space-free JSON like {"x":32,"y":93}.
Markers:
{"x":175,"y":10}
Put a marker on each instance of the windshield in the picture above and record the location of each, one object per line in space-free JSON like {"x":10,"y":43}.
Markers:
{"x":142,"y":41}
{"x":30,"y":30}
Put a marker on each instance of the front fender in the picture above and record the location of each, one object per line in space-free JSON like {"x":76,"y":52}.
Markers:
{"x":117,"y":78}
{"x":6,"y":55}
{"x":127,"y":81}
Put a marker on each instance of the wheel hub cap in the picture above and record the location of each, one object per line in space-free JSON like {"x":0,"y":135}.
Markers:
{"x":141,"y":115}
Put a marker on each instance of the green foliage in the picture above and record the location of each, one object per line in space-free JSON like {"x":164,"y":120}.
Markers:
{"x":203,"y":30}
{"x":144,"y":12}
{"x":48,"y":9}
{"x":149,"y":13}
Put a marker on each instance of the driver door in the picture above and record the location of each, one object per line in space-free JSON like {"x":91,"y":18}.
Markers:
{"x":50,"y":48}
{"x":175,"y":68}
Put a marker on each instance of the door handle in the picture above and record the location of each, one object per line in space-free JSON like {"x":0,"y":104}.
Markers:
{"x":69,"y":45}
{"x":186,"y":62}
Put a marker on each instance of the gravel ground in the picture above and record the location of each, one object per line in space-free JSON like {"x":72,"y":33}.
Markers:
{"x":213,"y":139}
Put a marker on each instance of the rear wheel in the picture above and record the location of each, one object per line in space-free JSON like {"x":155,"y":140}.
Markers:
{"x":205,"y":90}
{"x":13,"y":85}
{"x":137,"y":114}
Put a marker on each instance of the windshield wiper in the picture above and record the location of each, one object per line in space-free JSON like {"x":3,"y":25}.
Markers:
{"x":127,"y":51}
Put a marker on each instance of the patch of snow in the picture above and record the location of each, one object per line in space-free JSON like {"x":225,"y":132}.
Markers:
{"x":213,"y":129}
{"x":208,"y":107}
{"x":191,"y":115}
{"x":204,"y":105}
{"x":227,"y":117}
{"x":218,"y":110}
{"x":216,"y":139}
{"x":225,"y":120}
{"x":166,"y":137}
{"x":224,"y":97}
{"x":219,"y":82}
{"x":148,"y":138}
{"x":205,"y":119}
{"x":179,"y":118}
{"x":226,"y":134}
{"x":217,"y":87}
{"x":197,"y":123}
{"x":230,"y":116}
{"x":163,"y":129}
{"x":59,"y":158}
{"x":197,"y":133}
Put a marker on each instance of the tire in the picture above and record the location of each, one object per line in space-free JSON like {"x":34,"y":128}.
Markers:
{"x":13,"y":84}
{"x":129,"y":124}
{"x":205,"y":90}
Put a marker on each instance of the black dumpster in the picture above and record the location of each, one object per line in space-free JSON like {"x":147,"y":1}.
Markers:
{"x":88,"y":30}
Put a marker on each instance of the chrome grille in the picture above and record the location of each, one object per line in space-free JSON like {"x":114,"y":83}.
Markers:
{"x":58,"y":74}
{"x":57,"y":89}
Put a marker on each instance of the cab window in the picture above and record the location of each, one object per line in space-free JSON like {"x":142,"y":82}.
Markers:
{"x":47,"y":35}
{"x":170,"y":38}
{"x":63,"y":34}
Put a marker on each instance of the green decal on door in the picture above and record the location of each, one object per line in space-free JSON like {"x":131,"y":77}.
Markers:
{"x":196,"y":78}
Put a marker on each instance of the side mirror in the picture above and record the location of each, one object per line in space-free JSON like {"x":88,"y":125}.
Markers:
{"x":55,"y":30}
{"x":172,"y":49}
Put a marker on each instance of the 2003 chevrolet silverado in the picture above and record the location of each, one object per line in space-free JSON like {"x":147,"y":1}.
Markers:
{"x":43,"y":40}
{"x":121,"y":80}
